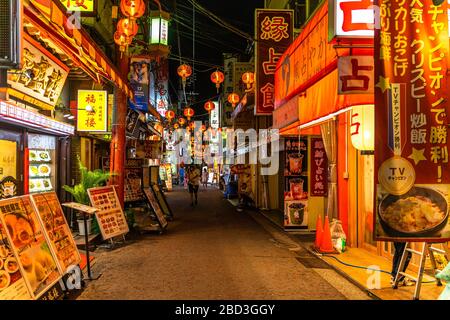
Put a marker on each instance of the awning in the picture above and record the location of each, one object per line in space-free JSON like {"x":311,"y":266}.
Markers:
{"x":48,"y":17}
{"x":11,"y":113}
{"x":322,"y":99}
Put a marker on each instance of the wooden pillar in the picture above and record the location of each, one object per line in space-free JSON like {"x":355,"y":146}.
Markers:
{"x":118,"y":142}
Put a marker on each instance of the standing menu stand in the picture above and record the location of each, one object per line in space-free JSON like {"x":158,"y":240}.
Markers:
{"x":86,"y":211}
{"x":162,"y":202}
{"x":156,"y":208}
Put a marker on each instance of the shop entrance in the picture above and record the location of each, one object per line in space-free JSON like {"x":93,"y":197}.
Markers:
{"x":10,"y":164}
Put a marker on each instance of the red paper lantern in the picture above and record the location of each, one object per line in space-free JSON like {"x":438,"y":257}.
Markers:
{"x":122,"y":40}
{"x":184,"y":71}
{"x":127,"y":27}
{"x":248,"y":78}
{"x":188,"y":113}
{"x":132,"y":9}
{"x":209,"y":106}
{"x":170,"y":114}
{"x":176,"y":126}
{"x":217,"y":77}
{"x":233,"y":98}
{"x":182,"y":121}
{"x":203,"y":128}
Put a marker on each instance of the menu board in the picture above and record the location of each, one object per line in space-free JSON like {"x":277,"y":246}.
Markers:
{"x":12,"y":283}
{"x":133,"y":180}
{"x":162,"y":200}
{"x":296,"y":169}
{"x":110,"y":217}
{"x":41,"y":170}
{"x":296,"y":214}
{"x":59,"y":235}
{"x":156,"y":207}
{"x":28,"y":243}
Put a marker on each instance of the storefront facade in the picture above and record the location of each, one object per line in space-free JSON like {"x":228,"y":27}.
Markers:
{"x":327,"y":76}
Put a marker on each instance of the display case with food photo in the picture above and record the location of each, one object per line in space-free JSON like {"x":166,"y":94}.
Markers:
{"x":29,"y":245}
{"x":420,"y":214}
{"x":12,"y":284}
{"x":296,"y":214}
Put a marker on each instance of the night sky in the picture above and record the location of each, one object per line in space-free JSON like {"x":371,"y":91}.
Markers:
{"x":211,"y":40}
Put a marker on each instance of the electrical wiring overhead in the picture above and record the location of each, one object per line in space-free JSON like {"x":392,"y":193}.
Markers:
{"x":220,"y":22}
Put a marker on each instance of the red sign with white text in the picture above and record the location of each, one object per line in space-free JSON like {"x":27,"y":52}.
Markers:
{"x":319,"y":169}
{"x":412,"y":172}
{"x":274,"y":33}
{"x":351,"y":19}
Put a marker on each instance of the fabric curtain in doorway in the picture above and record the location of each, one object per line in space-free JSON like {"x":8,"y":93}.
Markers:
{"x":329,"y":137}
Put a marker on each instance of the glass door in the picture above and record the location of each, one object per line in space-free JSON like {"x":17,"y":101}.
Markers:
{"x":10,"y":173}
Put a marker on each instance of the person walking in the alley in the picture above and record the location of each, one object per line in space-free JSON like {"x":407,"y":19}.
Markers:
{"x":399,"y":248}
{"x":194,"y":183}
{"x":205,"y":178}
{"x":181,"y":175}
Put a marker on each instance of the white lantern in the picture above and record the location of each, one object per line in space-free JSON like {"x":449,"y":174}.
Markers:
{"x":362,"y":128}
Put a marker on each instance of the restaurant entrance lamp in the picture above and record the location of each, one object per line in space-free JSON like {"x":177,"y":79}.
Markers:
{"x":363,"y":128}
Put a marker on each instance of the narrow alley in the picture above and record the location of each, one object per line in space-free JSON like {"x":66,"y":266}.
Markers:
{"x":212,"y":251}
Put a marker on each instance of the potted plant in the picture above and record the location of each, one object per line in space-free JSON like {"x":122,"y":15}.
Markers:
{"x":89,"y":179}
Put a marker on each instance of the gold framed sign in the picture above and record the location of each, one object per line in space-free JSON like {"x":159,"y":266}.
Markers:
{"x":42,"y":75}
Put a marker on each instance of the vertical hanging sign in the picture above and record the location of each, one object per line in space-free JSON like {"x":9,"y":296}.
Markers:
{"x":411,"y":154}
{"x":274,"y":33}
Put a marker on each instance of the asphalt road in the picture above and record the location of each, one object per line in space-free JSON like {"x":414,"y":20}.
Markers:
{"x":212,"y":251}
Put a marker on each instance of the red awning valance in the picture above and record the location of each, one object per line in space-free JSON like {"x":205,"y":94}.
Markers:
{"x":322,"y":99}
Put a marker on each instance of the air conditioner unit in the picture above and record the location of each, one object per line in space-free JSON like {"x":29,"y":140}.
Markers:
{"x":10,"y":34}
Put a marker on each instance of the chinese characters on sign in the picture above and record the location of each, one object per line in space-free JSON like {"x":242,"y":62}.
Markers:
{"x":319,"y":169}
{"x":161,"y":88}
{"x":92,"y":111}
{"x":42,"y":75}
{"x":84,"y":6}
{"x":274,"y":34}
{"x":355,"y":74}
{"x":351,"y":18}
{"x":306,"y":57}
{"x":411,"y":150}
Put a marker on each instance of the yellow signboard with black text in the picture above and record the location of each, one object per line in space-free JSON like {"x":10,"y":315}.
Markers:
{"x":92,"y":111}
{"x":83,"y":6}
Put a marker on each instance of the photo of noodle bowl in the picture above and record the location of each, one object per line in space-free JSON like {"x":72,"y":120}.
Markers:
{"x":420,"y":212}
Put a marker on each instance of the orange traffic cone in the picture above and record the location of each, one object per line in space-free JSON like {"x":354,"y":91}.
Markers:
{"x":319,"y":232}
{"x":326,"y":246}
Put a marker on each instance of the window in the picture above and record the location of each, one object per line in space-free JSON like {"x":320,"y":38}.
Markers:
{"x":303,"y":9}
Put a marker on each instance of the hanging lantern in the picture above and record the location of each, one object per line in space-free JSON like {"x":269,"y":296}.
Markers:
{"x":170,"y":114}
{"x":158,"y":127}
{"x":203,"y":128}
{"x":248,"y":78}
{"x":363,"y":128}
{"x":209,"y":106}
{"x":127,"y":27}
{"x":184,"y":71}
{"x":182,"y":121}
{"x":122,"y":40}
{"x":188,"y":113}
{"x":217,"y":77}
{"x":233,"y":98}
{"x":192,"y":125}
{"x":176,"y":126}
{"x":132,"y":9}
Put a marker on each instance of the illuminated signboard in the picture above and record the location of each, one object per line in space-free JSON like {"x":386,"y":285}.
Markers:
{"x":351,"y":18}
{"x":92,"y":111}
{"x":83,"y":6}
